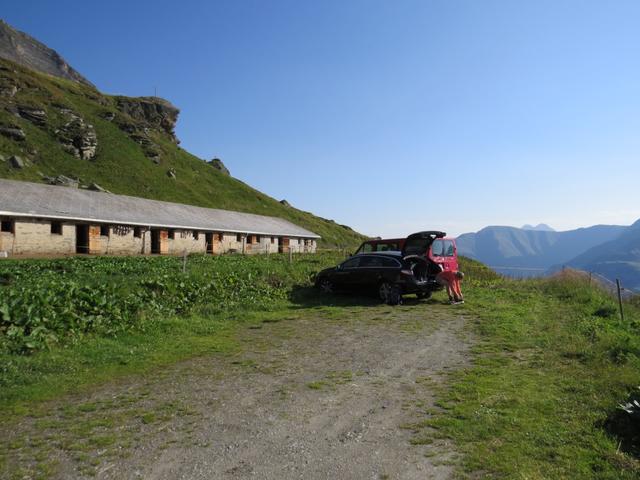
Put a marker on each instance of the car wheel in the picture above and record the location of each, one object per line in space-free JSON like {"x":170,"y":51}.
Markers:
{"x":326,"y":285}
{"x":424,"y":295}
{"x":390,"y":293}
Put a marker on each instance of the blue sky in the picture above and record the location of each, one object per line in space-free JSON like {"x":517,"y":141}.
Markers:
{"x":389,"y":116}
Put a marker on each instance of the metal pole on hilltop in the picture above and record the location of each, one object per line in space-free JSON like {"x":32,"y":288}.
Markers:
{"x":620,"y":300}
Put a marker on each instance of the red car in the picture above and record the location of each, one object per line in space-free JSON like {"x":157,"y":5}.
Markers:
{"x":442,"y":250}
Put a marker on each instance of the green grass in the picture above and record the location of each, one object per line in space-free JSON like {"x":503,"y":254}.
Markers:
{"x":120,"y":164}
{"x":549,"y":370}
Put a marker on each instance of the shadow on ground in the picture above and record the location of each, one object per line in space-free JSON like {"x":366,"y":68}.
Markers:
{"x":310,"y":297}
{"x":626,"y":429}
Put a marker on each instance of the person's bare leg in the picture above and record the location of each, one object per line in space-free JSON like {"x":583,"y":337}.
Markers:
{"x":457,"y":292}
{"x":450,"y":292}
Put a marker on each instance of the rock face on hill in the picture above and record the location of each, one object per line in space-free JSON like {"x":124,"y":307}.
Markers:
{"x":218,"y":165}
{"x":27,"y":51}
{"x":151,"y":112}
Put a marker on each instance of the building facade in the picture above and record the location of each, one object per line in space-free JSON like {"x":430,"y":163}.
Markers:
{"x":44,"y":220}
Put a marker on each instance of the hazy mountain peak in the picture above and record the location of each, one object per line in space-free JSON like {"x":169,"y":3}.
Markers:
{"x":25,"y":50}
{"x":541,"y":227}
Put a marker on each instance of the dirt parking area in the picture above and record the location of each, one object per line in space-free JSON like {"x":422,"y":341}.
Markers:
{"x":325,"y":395}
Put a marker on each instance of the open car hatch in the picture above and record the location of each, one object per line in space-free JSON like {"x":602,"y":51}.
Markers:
{"x":419,"y":243}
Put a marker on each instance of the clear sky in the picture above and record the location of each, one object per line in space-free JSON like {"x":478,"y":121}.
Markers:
{"x":389,"y":116}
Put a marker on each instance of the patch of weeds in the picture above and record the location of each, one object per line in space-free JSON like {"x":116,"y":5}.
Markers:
{"x":318,"y":385}
{"x":148,"y":417}
{"x":88,"y":407}
{"x":102,"y":441}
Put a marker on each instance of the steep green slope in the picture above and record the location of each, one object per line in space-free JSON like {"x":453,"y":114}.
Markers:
{"x":136,"y":152}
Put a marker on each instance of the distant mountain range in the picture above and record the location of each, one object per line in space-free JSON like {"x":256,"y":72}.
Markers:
{"x":617,"y":258}
{"x":524,"y":252}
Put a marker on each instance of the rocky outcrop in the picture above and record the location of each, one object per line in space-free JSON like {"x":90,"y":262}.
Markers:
{"x":96,"y":188}
{"x":16,"y":162}
{"x":171,"y":173}
{"x":8,"y":87}
{"x":63,"y":180}
{"x":35,"y":115}
{"x":14,"y":132}
{"x":151,"y":112}
{"x":108,"y":116}
{"x":78,"y":137}
{"x":218,"y":165}
{"x":27,"y":51}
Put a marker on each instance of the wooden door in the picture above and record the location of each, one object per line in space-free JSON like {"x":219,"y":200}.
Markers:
{"x":164,"y":242}
{"x":94,"y":239}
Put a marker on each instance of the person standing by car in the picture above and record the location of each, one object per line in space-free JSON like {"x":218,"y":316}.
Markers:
{"x":451,"y":280}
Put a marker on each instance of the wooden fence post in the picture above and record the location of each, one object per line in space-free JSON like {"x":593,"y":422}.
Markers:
{"x":620,"y":300}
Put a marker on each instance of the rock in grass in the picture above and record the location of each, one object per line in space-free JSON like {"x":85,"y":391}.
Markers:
{"x":97,"y":188}
{"x":218,"y":165}
{"x":13,"y":132}
{"x":16,"y":162}
{"x":35,"y":115}
{"x":63,"y":180}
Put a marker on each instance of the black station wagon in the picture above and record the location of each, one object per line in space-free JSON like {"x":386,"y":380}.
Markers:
{"x":388,"y":274}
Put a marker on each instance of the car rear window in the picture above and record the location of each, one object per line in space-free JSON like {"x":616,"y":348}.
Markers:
{"x":437,"y":248}
{"x":449,"y":250}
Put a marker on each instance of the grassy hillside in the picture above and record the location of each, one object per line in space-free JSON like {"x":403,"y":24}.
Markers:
{"x":123,"y":164}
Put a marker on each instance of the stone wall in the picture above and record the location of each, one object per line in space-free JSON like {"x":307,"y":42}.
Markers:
{"x":34,"y":237}
{"x":230,"y":243}
{"x":184,"y":240}
{"x":122,"y":241}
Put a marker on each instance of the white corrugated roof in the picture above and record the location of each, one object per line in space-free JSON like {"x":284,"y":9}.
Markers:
{"x":25,"y":199}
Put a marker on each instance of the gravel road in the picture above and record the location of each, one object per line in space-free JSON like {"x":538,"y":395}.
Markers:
{"x":322,"y":396}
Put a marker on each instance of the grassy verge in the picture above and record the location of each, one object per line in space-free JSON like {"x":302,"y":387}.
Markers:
{"x":552,"y":363}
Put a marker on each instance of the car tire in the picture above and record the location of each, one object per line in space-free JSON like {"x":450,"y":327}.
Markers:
{"x":326,"y":285}
{"x":424,"y":295}
{"x":390,"y":293}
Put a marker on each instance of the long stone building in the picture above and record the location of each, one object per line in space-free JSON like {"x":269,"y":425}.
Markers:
{"x":44,"y":220}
